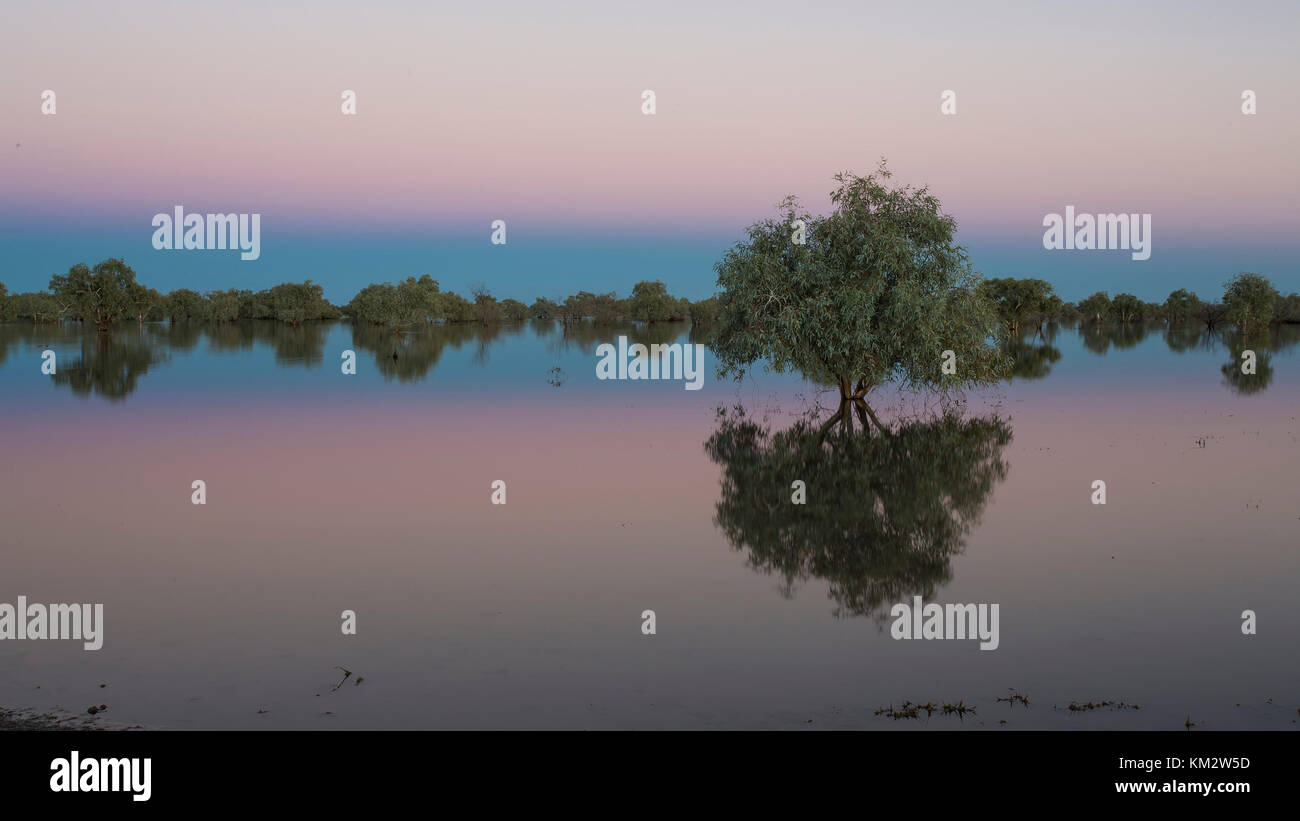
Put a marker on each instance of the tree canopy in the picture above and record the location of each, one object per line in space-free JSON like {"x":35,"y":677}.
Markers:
{"x":102,"y":295}
{"x":1249,"y":301}
{"x":877,"y":291}
{"x":1096,"y":308}
{"x":1019,"y":300}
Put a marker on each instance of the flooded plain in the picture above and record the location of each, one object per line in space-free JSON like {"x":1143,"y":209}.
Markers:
{"x":373,"y":492}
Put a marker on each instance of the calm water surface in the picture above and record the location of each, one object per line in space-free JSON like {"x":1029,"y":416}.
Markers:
{"x":372,"y":493}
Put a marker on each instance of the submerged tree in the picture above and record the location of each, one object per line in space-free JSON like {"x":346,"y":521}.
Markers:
{"x":1127,"y":308}
{"x":514,"y":310}
{"x":102,"y":295}
{"x":1021,"y":300}
{"x":1249,"y":301}
{"x":882,"y":515}
{"x":1180,"y":306}
{"x":1209,"y":313}
{"x":877,"y":291}
{"x":487,"y":309}
{"x":412,"y":302}
{"x":38,"y":306}
{"x":1096,"y":308}
{"x":651,"y":302}
{"x":1287,"y":308}
{"x":184,"y":304}
{"x":295,"y":303}
{"x":543,"y":308}
{"x":146,"y":303}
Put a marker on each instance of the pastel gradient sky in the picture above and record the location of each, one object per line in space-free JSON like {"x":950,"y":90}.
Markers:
{"x":473,"y":112}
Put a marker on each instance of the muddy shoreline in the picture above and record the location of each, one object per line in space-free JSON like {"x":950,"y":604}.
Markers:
{"x":55,"y":721}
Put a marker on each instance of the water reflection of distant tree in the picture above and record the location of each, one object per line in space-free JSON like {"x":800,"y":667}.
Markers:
{"x":1260,"y":343}
{"x":293,"y":345}
{"x":586,"y":335}
{"x":109,"y":366}
{"x":1032,"y":354}
{"x":1099,"y":338}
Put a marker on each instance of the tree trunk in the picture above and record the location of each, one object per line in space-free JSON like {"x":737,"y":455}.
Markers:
{"x":865,"y":407}
{"x":829,"y":423}
{"x":845,"y":393}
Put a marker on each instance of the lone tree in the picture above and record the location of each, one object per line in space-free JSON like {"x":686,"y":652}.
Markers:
{"x":1249,"y":300}
{"x":877,"y":291}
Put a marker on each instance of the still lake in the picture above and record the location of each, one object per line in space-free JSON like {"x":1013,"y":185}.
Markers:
{"x":372,"y":492}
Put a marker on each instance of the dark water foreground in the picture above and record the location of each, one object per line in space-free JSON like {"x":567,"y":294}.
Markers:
{"x":372,"y":493}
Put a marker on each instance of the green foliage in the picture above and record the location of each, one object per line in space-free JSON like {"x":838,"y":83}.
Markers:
{"x":487,"y":310}
{"x":543,"y":308}
{"x":1127,"y":308}
{"x":456,"y":308}
{"x":602,"y":309}
{"x":184,"y":304}
{"x":1287,"y":308}
{"x":1249,"y":301}
{"x":651,"y":302}
{"x":102,"y":295}
{"x":295,"y":302}
{"x":146,"y":303}
{"x":878,"y":292}
{"x":705,"y":312}
{"x":224,"y":306}
{"x":7,"y":308}
{"x":411,"y":302}
{"x":38,"y":306}
{"x":1180,"y":306}
{"x":1210,"y":313}
{"x":514,"y":310}
{"x":1019,"y":300}
{"x":1096,"y":308}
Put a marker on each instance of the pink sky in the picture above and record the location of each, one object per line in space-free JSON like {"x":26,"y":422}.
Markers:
{"x":463,"y":114}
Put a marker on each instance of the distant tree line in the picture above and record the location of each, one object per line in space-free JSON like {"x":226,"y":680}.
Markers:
{"x":1249,"y":303}
{"x":108,"y":294}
